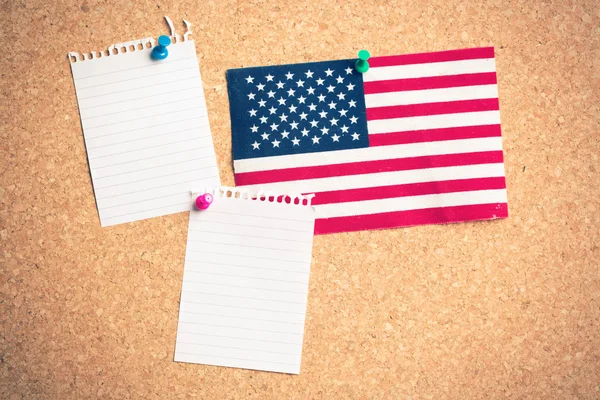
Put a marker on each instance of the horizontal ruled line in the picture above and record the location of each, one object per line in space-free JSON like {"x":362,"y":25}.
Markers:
{"x":244,"y":297}
{"x":154,"y":187}
{"x":145,"y":66}
{"x":235,"y":327}
{"x":145,"y":138}
{"x":142,"y":211}
{"x":245,"y":266}
{"x":158,"y":166}
{"x":253,"y":247}
{"x":142,"y":77}
{"x":246,"y":287}
{"x":247,"y":277}
{"x":144,"y":127}
{"x":144,"y":117}
{"x":238,"y":348}
{"x":252,"y":226}
{"x":245,"y":308}
{"x":249,"y":215}
{"x":235,"y":358}
{"x":138,"y":88}
{"x":248,"y":318}
{"x":149,"y":158}
{"x":155,"y":177}
{"x":254,"y":236}
{"x":144,"y":200}
{"x":259,"y":258}
{"x":242,"y":338}
{"x":195,"y":97}
{"x":144,"y":148}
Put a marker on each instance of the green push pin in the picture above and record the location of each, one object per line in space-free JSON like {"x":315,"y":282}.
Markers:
{"x":362,"y":65}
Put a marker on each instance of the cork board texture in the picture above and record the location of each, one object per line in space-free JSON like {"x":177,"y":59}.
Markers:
{"x":508,"y":309}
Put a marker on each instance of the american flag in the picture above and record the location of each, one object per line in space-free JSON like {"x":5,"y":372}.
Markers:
{"x":414,"y":140}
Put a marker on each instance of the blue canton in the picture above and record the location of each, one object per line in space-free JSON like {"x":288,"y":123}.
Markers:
{"x":297,"y":108}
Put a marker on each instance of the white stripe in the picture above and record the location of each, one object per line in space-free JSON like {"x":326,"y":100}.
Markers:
{"x":369,"y":154}
{"x":431,"y":95}
{"x":433,"y":122}
{"x":411,"y":203}
{"x":430,"y":69}
{"x":385,"y":179}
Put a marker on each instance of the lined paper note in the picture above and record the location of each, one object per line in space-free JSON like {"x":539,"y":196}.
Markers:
{"x":146,"y":131}
{"x":245,"y":285}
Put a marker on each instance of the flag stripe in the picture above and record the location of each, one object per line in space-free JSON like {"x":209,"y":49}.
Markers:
{"x":366,"y":167}
{"x":435,"y":135}
{"x":433,"y":122}
{"x":432,"y":82}
{"x":413,"y":189}
{"x":431,"y":96}
{"x":385,"y":179}
{"x":411,"y":203}
{"x":368,"y":154}
{"x":439,"y":215}
{"x":438,"y":56}
{"x":428,"y":70}
{"x":419,"y":110}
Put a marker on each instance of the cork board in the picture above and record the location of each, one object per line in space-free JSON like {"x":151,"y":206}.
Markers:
{"x":508,"y":309}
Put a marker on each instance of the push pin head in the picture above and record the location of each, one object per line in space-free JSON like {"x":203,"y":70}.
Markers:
{"x":160,"y":52}
{"x":362,"y":65}
{"x":204,"y":201}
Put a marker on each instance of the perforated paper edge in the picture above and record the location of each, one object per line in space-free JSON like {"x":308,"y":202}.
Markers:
{"x":262,"y":195}
{"x":131,"y":46}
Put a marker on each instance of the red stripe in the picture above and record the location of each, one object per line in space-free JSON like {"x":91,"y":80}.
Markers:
{"x":435,"y":135}
{"x":398,"y":219}
{"x":433,"y":82}
{"x":412,"y":189}
{"x":367,"y":167}
{"x":438,"y":56}
{"x":419,"y":110}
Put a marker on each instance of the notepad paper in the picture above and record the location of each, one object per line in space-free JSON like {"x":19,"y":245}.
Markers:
{"x":245,"y":283}
{"x":146,"y":129}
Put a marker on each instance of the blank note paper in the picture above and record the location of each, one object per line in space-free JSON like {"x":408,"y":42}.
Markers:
{"x":146,"y":129}
{"x":245,"y":284}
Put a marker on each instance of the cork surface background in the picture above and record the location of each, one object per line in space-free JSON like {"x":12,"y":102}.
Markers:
{"x":508,"y":309}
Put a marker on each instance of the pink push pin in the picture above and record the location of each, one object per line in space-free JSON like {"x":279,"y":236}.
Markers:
{"x":204,"y":201}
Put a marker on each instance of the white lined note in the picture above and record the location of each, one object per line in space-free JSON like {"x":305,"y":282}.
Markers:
{"x":245,"y":285}
{"x":146,"y":131}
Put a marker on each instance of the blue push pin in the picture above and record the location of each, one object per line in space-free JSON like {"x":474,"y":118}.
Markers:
{"x":160,"y":52}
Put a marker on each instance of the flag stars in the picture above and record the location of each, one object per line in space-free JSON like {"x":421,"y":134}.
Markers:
{"x":315,"y":140}
{"x":291,"y":92}
{"x":330,"y":89}
{"x":281,"y":101}
{"x":303,"y":116}
{"x":254,"y":128}
{"x":332,"y":105}
{"x":343,"y":112}
{"x":285,"y":134}
{"x":355,"y":136}
{"x":335,"y":137}
{"x":325,"y":130}
{"x":352,"y":103}
{"x":283,"y":117}
{"x":323,"y":114}
{"x":353,"y":119}
{"x":255,"y":145}
{"x":339,"y":79}
{"x":251,"y":96}
{"x":309,"y":74}
{"x":348,"y":71}
{"x":321,"y":97}
{"x":344,"y":129}
{"x":289,"y":76}
{"x":312,"y":107}
{"x":265,"y":136}
{"x":313,"y":124}
{"x":271,"y":94}
{"x":260,"y":87}
{"x":280,"y":85}
{"x":292,"y":108}
{"x":293,"y":125}
{"x":341,"y":96}
{"x":320,"y":81}
{"x":269,"y":78}
{"x":296,"y":141}
{"x":350,"y":86}
{"x":310,"y":90}
{"x":250,"y":79}
{"x":262,"y":103}
{"x":263,"y":120}
{"x":300,"y":83}
{"x":301,"y":100}
{"x":304,"y":132}
{"x":274,"y":126}
{"x":329,"y":72}
{"x":253,"y":112}
{"x":272,"y":110}
{"x":275,"y":143}
{"x":333,"y":121}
